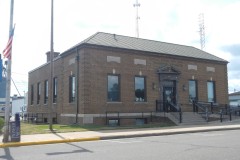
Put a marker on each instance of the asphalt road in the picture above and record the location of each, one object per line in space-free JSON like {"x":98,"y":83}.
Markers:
{"x":198,"y":146}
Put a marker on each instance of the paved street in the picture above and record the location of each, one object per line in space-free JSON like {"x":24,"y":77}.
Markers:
{"x":199,"y":146}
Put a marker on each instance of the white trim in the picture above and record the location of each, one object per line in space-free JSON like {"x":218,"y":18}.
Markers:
{"x":112,"y":114}
{"x":144,"y":102}
{"x":113,"y":59}
{"x":210,"y":69}
{"x":192,"y":67}
{"x":71,"y":61}
{"x":114,"y":102}
{"x":140,"y":61}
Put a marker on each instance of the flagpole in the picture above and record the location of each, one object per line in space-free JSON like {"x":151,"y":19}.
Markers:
{"x":50,"y":105}
{"x":8,"y":83}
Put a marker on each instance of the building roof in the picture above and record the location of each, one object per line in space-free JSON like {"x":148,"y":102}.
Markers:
{"x":234,"y":94}
{"x":132,"y":43}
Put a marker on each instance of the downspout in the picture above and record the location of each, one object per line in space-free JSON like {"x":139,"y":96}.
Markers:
{"x":77,"y":84}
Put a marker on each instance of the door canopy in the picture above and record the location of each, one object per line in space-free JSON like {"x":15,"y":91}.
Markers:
{"x":168,"y":73}
{"x":168,"y":70}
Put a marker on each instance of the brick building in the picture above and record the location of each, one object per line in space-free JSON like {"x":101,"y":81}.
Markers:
{"x":114,"y":74}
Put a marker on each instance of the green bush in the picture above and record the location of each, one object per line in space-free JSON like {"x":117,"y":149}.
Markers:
{"x":1,"y":124}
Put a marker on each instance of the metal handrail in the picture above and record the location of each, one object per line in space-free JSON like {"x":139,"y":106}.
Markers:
{"x":207,"y":109}
{"x":229,"y":110}
{"x":166,"y":107}
{"x":175,"y":108}
{"x":203,"y":106}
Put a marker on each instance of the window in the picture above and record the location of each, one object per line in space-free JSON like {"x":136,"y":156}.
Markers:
{"x":46,"y":92}
{"x":211,"y":91}
{"x":113,"y":122}
{"x":38,"y":92}
{"x":54,"y":89}
{"x":192,"y":86}
{"x":32,"y":94}
{"x":141,"y":121}
{"x":113,"y":88}
{"x":72,"y":88}
{"x":140,"y":89}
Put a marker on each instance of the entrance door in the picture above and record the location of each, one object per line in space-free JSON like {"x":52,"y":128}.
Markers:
{"x":169,"y":95}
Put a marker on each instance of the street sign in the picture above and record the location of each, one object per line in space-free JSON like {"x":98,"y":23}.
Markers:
{"x":15,"y":129}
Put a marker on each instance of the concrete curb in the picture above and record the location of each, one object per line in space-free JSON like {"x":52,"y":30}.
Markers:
{"x":18,"y":144}
{"x":131,"y":134}
{"x":167,"y":133}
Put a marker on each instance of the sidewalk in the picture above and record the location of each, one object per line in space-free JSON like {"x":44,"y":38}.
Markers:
{"x":51,"y":138}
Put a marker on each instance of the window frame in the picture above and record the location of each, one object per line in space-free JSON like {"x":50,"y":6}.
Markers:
{"x":145,"y":88}
{"x":32,"y":94}
{"x":55,"y":89}
{"x":72,"y":93}
{"x":38,"y":92}
{"x":213,"y":90}
{"x":196,"y":90}
{"x":119,"y":88}
{"x":46,"y":91}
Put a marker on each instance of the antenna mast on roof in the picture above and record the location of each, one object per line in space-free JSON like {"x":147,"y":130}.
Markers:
{"x":202,"y":31}
{"x":137,"y":17}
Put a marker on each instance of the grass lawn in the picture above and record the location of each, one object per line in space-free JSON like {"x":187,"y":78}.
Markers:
{"x":28,"y":128}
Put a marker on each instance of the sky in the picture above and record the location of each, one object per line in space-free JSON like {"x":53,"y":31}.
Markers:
{"x":173,"y":21}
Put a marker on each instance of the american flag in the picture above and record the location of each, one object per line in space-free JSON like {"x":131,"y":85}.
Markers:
{"x":8,"y":50}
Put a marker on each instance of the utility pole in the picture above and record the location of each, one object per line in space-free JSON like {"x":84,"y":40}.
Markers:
{"x":50,"y":101}
{"x":137,"y":17}
{"x":8,"y":83}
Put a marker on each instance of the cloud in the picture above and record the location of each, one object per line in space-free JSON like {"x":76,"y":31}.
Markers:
{"x":234,"y":49}
{"x":174,"y":21}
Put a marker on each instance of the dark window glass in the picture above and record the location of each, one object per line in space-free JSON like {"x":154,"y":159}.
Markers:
{"x":211,"y":91}
{"x":32,"y":94}
{"x":140,"y":89}
{"x":38,"y":92}
{"x":113,"y":122}
{"x":192,"y":87}
{"x":46,"y":92}
{"x":54,"y":89}
{"x":72,"y":88}
{"x":113,"y":88}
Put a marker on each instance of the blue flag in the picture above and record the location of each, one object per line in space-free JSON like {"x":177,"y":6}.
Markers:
{"x":0,"y":68}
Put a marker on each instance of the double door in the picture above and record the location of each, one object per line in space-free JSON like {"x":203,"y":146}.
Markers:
{"x":169,"y":94}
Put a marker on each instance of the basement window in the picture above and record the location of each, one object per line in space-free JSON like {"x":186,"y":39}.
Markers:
{"x":141,"y":121}
{"x":113,"y":122}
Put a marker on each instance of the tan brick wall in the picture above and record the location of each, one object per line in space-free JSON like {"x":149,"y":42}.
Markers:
{"x":100,"y":68}
{"x":93,"y":71}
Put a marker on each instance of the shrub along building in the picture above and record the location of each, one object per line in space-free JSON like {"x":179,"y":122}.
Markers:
{"x":110,"y":78}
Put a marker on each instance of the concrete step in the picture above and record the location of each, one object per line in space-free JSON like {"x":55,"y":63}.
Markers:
{"x":188,"y":118}
{"x":192,"y":118}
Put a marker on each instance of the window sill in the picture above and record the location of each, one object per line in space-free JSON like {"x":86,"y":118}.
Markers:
{"x":114,"y":102}
{"x":140,"y":102}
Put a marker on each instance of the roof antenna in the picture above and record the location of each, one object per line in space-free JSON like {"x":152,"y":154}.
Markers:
{"x":137,"y":17}
{"x":202,"y":31}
